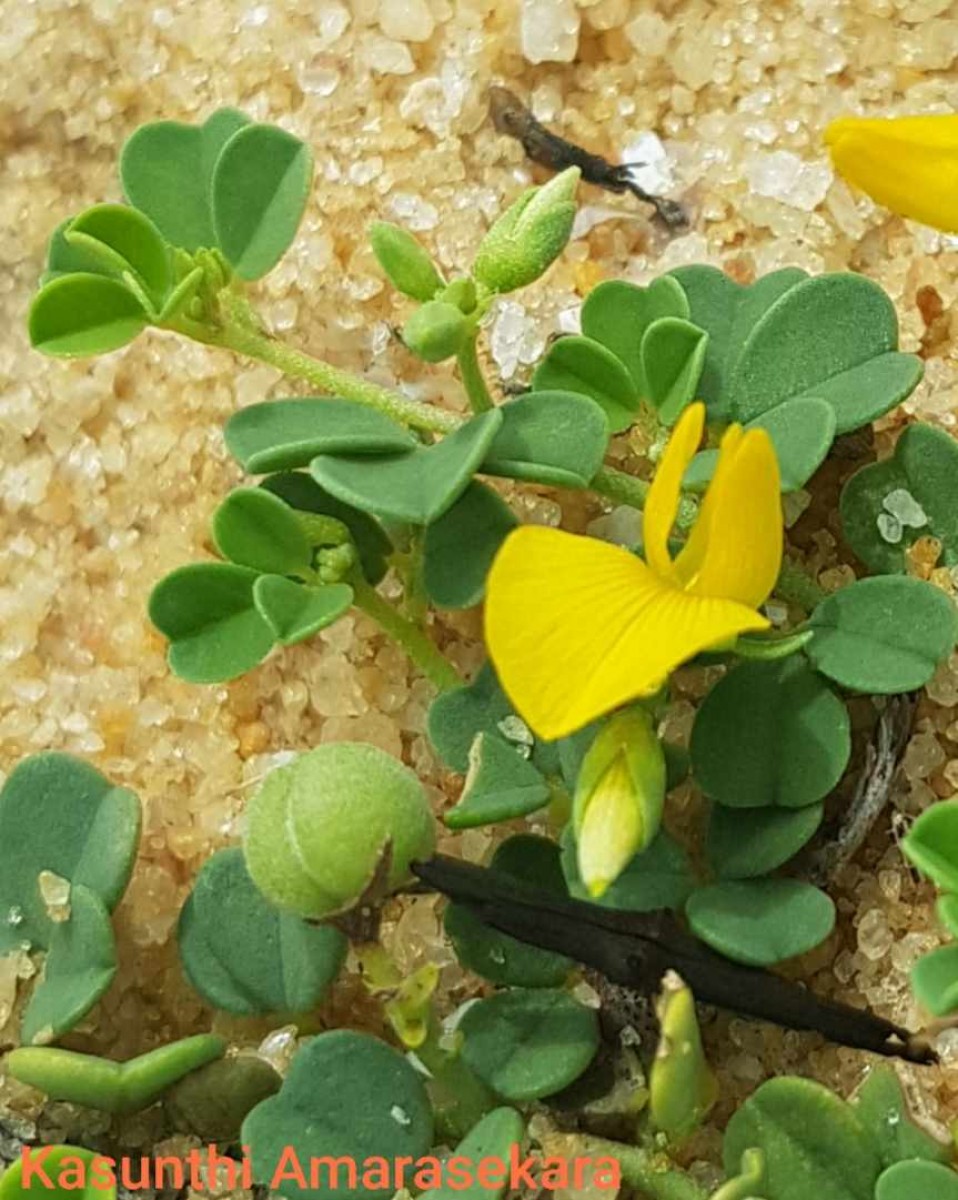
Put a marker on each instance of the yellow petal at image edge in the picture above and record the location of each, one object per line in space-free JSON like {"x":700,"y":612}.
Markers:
{"x":907,"y":164}
{"x":576,"y":627}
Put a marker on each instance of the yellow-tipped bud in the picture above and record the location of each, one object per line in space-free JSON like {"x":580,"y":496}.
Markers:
{"x":619,"y":798}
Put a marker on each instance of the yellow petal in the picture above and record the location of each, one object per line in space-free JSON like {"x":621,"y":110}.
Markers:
{"x":908,"y":164}
{"x":741,"y":548}
{"x":691,"y":556}
{"x":576,"y":627}
{"x":662,"y":502}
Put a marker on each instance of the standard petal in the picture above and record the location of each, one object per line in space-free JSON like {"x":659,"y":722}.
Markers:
{"x":689,"y":561}
{"x":576,"y":627}
{"x":662,"y":502}
{"x":743,"y":551}
{"x":908,"y":164}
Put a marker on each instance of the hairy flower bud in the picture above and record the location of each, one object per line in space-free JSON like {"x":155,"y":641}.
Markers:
{"x":529,"y":236}
{"x":435,"y":332}
{"x":619,"y":798}
{"x":405,"y":261}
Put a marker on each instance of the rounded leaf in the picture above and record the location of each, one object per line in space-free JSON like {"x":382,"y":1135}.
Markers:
{"x":884,"y":635}
{"x":59,"y":814}
{"x":557,"y":438}
{"x":80,"y":966}
{"x":932,"y":844}
{"x":207,"y":612}
{"x":934,"y":980}
{"x":911,"y":1180}
{"x":458,"y":549}
{"x":744,"y":843}
{"x":813,"y":1143}
{"x":256,"y":529}
{"x":673,"y":355}
{"x":162,"y":171}
{"x":761,"y":921}
{"x":349,"y":1097}
{"x":259,"y":190}
{"x":770,"y":733}
{"x":246,"y":957}
{"x":318,"y":827}
{"x":283,"y":434}
{"x":529,"y":1044}
{"x":77,"y":316}
{"x":491,"y":1140}
{"x":617,"y":314}
{"x":214,"y":1101}
{"x":296,"y":612}
{"x":580,"y":365}
{"x":130,"y":242}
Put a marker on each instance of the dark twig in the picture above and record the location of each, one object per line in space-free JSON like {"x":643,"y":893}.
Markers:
{"x":882,"y":759}
{"x":548,"y":149}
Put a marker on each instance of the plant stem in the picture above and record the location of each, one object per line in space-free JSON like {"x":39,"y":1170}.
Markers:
{"x":245,"y":339}
{"x":796,"y":587}
{"x":649,"y":1172}
{"x":472,"y":376}
{"x":423,"y":652}
{"x":617,"y":485}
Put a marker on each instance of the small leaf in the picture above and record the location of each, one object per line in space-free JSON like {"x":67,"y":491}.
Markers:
{"x":556,"y":438}
{"x":296,"y":612}
{"x":616,"y":314}
{"x":80,"y":966}
{"x":457,"y":716}
{"x":207,"y":612}
{"x":305,"y":495}
{"x":245,"y":956}
{"x":283,"y":434}
{"x":802,"y":432}
{"x":78,"y":316}
{"x":527,"y":1044}
{"x":64,"y":258}
{"x":834,"y":337}
{"x":744,"y":843}
{"x":353,"y":1096}
{"x":113,"y":1087}
{"x":762,"y":921}
{"x":920,"y":482}
{"x":882,"y":635}
{"x":459,"y":548}
{"x":181,"y":295}
{"x":259,"y":190}
{"x":130,"y":242}
{"x":582,"y":366}
{"x":68,"y":1159}
{"x":881,"y":1107}
{"x":418,"y":485}
{"x":814,"y":1145}
{"x":59,"y":814}
{"x":934,"y":980}
{"x":491,"y":1141}
{"x":914,"y":1180}
{"x":162,"y":171}
{"x":497,"y":957}
{"x":215,"y":132}
{"x":770,"y":733}
{"x":673,"y":354}
{"x":213,"y":1102}
{"x":659,"y":877}
{"x":727,"y":311}
{"x":932,"y":844}
{"x":500,"y":785}
{"x":256,"y":529}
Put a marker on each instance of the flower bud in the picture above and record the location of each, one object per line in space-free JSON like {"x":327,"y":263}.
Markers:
{"x":529,"y":236}
{"x":405,"y":261}
{"x":682,"y":1087}
{"x":435,"y":332}
{"x":619,"y":798}
{"x":318,"y":829}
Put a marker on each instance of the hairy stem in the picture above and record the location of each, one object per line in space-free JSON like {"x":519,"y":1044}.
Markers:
{"x":423,"y":652}
{"x":617,"y":485}
{"x":649,"y":1172}
{"x":472,"y":377}
{"x":243,"y":338}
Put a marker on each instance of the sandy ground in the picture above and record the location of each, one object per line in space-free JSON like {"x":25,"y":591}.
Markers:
{"x":111,"y":468}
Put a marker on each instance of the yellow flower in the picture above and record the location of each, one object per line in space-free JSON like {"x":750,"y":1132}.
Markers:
{"x":576,"y":627}
{"x":908,"y":164}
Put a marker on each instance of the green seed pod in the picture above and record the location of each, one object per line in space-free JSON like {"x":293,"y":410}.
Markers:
{"x":405,"y":261}
{"x":619,"y":797}
{"x":436,"y":331}
{"x":682,"y":1087}
{"x":317,"y":829}
{"x":529,"y":236}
